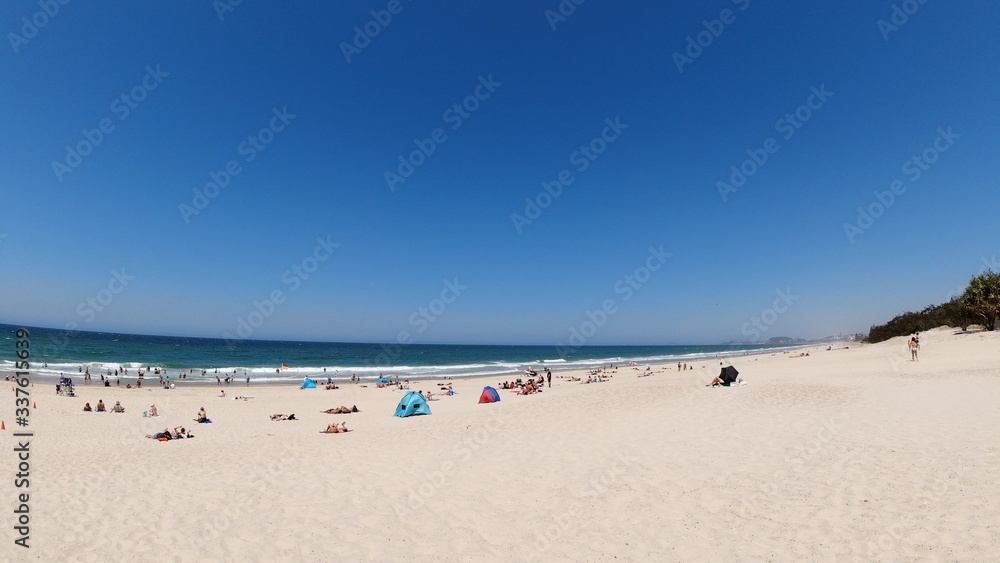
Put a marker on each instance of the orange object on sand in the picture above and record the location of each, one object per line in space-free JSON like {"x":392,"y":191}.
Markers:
{"x":2,"y":425}
{"x":34,"y":405}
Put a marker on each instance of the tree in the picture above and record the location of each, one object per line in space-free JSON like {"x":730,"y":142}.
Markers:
{"x":982,"y":298}
{"x":954,"y":313}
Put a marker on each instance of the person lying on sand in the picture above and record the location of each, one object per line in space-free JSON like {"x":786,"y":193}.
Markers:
{"x":165,"y":434}
{"x":283,"y":417}
{"x":180,"y":432}
{"x":335,"y":428}
{"x":342,"y":410}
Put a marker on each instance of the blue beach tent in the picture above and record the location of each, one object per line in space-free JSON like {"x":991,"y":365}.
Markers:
{"x":308,"y":384}
{"x":412,"y":403}
{"x":383,"y":381}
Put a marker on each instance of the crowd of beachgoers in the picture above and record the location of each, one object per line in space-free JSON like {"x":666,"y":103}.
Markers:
{"x":532,"y":382}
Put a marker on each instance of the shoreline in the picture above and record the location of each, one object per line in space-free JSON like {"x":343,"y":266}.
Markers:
{"x":152,"y":381}
{"x":46,"y":374}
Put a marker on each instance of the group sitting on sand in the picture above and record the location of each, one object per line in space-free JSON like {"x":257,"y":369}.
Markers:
{"x":341,"y":410}
{"x":528,"y":388}
{"x":335,"y":428}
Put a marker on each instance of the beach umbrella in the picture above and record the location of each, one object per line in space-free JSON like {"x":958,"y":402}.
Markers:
{"x":728,"y":374}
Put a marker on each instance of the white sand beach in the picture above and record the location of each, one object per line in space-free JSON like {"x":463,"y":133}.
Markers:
{"x":850,"y":454}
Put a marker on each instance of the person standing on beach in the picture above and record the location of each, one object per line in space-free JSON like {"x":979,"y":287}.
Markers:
{"x":914,"y":347}
{"x":548,"y":372}
{"x":248,"y":381}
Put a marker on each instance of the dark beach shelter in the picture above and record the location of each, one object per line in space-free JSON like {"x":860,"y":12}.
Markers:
{"x":728,"y":374}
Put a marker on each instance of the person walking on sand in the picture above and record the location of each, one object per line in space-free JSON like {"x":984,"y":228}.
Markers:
{"x":914,"y":347}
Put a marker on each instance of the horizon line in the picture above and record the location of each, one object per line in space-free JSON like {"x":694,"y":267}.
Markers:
{"x":728,"y":343}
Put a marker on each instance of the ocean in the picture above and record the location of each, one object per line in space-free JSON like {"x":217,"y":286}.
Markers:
{"x":71,"y":353}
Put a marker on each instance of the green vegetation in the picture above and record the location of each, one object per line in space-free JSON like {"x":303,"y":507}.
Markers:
{"x":979,"y":304}
{"x":982,"y":298}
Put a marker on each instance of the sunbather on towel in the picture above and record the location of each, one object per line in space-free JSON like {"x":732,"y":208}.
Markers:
{"x":335,"y":428}
{"x":341,"y":410}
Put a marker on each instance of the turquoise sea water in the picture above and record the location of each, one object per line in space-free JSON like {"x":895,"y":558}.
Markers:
{"x":55,"y":352}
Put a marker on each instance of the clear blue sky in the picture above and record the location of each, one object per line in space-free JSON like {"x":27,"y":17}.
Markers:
{"x":197,"y":85}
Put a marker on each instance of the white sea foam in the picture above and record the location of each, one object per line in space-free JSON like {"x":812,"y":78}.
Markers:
{"x":338,"y":373}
